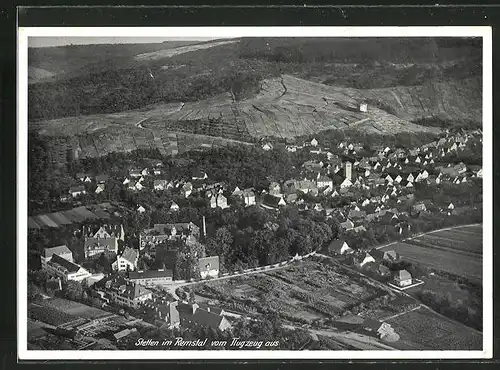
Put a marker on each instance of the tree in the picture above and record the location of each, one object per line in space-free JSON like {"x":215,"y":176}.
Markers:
{"x":73,"y":290}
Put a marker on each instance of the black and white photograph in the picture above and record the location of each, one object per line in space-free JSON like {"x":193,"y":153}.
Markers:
{"x":255,"y":192}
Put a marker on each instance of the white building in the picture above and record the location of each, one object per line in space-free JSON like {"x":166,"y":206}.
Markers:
{"x":209,"y":267}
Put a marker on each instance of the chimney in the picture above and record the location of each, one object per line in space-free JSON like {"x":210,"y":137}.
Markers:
{"x":60,"y":284}
{"x":204,"y":227}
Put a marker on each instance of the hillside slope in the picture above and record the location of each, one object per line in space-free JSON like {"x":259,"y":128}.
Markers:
{"x":285,"y":107}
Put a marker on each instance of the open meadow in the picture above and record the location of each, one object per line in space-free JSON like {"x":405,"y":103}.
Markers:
{"x":456,"y":251}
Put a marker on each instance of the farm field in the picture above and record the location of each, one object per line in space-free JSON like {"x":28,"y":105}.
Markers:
{"x":49,"y":315}
{"x":304,"y":292}
{"x":457,"y":251}
{"x":424,"y":330}
{"x":75,"y":308}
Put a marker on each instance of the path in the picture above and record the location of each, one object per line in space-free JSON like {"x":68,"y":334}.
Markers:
{"x":401,"y":313}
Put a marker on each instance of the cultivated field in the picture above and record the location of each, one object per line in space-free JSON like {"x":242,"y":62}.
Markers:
{"x":304,"y":292}
{"x":285,"y":107}
{"x":75,"y":308}
{"x":49,"y":315}
{"x":457,"y":251}
{"x":424,"y":330}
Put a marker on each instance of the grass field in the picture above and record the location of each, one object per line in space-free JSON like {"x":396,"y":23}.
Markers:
{"x":457,"y":251}
{"x":49,"y":315}
{"x":74,"y":308}
{"x":424,"y":330}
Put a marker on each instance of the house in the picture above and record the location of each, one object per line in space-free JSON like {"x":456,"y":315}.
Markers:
{"x":151,"y":277}
{"x":124,"y":334}
{"x":65,"y":269}
{"x":267,"y":146}
{"x":209,"y":267}
{"x":275,"y":189}
{"x":402,"y":278}
{"x":187,"y":189}
{"x":272,"y":202}
{"x":218,"y":200}
{"x":99,"y":189}
{"x":366,"y":258}
{"x":127,"y":261}
{"x":126,"y":181}
{"x":141,"y":209}
{"x":160,"y":184}
{"x":101,"y":179}
{"x":347,"y":225}
{"x":314,"y":142}
{"x":363,"y":107}
{"x":237,"y":192}
{"x":383,"y":270}
{"x":339,"y":247}
{"x":76,"y":191}
{"x":324,"y":182}
{"x":135,"y":173}
{"x":192,"y":315}
{"x":123,"y":292}
{"x":359,"y":229}
{"x":199,"y":175}
{"x":356,"y":213}
{"x":479,"y":173}
{"x":135,"y":186}
{"x":81,"y":176}
{"x":95,"y":246}
{"x":419,"y":207}
{"x":451,"y":206}
{"x":249,"y":197}
{"x":380,"y":255}
{"x":174,"y":207}
{"x":62,"y":251}
{"x":346,"y":184}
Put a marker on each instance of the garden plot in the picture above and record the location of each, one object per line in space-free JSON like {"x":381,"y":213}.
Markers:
{"x":426,"y":330}
{"x":305,"y":292}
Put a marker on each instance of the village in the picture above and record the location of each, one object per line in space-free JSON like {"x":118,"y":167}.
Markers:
{"x":353,"y":192}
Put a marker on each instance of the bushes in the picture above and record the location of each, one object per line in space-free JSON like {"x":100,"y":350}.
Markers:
{"x":454,"y":309}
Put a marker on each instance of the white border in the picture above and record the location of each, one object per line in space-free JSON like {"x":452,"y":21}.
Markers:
{"x":226,"y":32}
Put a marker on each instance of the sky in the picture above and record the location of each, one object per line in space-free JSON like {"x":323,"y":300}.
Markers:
{"x":38,"y":42}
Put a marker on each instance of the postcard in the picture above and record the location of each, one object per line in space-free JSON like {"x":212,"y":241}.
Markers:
{"x":255,"y":192}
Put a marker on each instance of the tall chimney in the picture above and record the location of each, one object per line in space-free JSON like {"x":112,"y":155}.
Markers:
{"x":204,"y":227}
